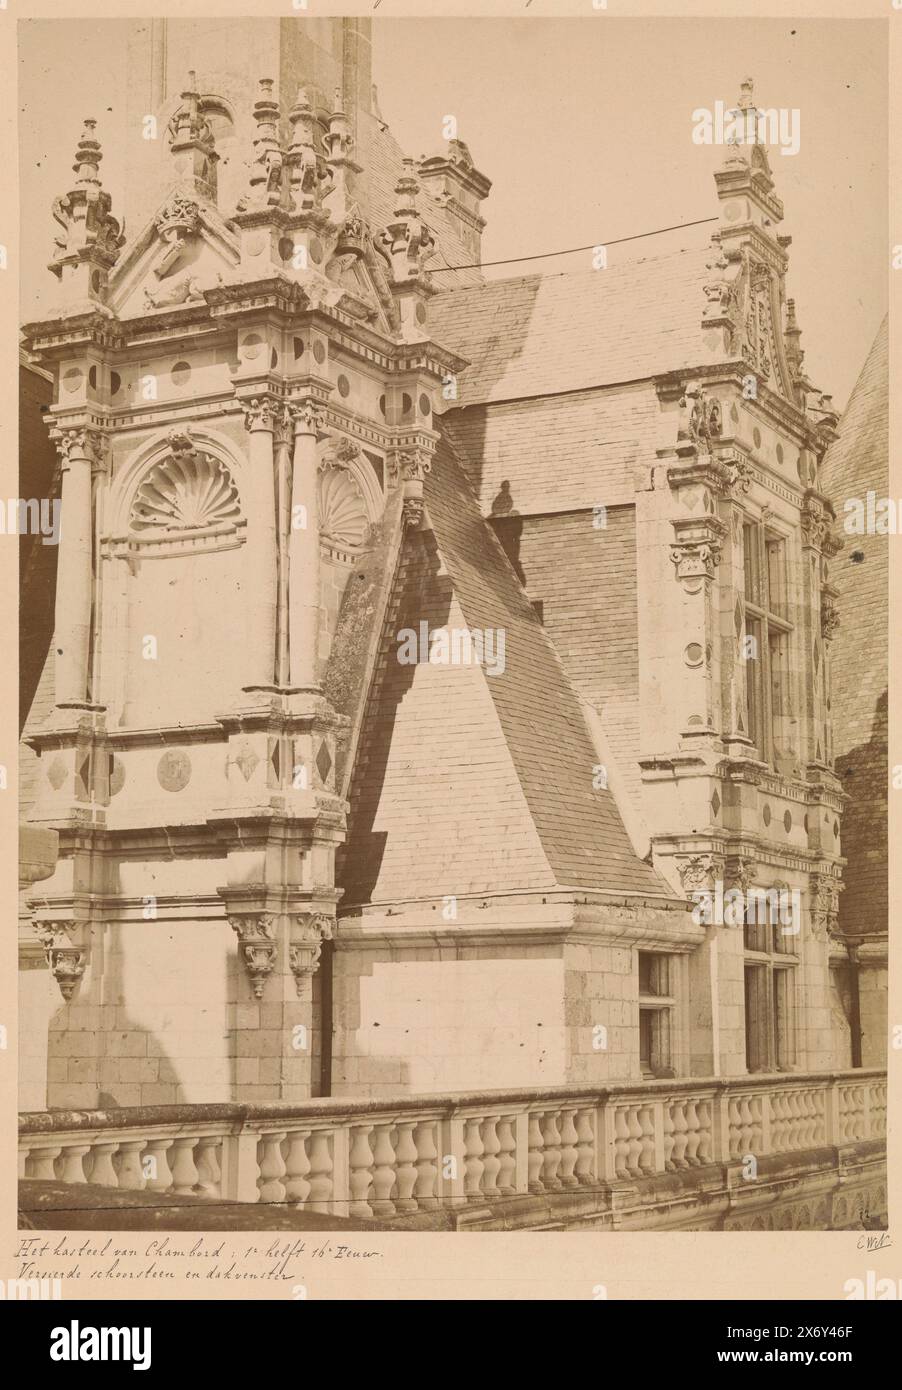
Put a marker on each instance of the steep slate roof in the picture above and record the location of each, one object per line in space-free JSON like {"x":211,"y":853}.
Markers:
{"x":560,"y":453}
{"x":540,"y":334}
{"x":856,"y":463}
{"x":467,"y":781}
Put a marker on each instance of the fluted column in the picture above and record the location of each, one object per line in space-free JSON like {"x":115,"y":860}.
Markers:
{"x":303,"y":548}
{"x":262,"y":547}
{"x":74,"y":569}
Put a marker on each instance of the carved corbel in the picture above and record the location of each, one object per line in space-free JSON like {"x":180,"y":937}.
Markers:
{"x":65,"y":952}
{"x":257,"y":947}
{"x":696,"y":552}
{"x":700,"y":872}
{"x":306,"y":946}
{"x":824,"y":891}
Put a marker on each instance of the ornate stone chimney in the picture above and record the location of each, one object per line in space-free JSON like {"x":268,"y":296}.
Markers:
{"x":453,"y":180}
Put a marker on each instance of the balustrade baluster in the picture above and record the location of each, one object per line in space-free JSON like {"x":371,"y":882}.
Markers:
{"x":473,"y":1164}
{"x":645,"y":1118}
{"x":272,"y":1169}
{"x":383,"y":1171}
{"x":43,"y":1163}
{"x":406,"y":1156}
{"x":680,"y":1135}
{"x":320,"y":1177}
{"x":552,"y":1152}
{"x":103,"y":1174}
{"x":621,"y":1142}
{"x":361,"y":1177}
{"x":74,"y":1163}
{"x":507,"y":1155}
{"x":131,"y":1175}
{"x":297,"y":1168}
{"x":155,"y":1164}
{"x":585,"y":1147}
{"x":536,"y":1158}
{"x":427,"y":1165}
{"x":491,"y":1163}
{"x":704,"y":1152}
{"x":693,"y":1137}
{"x":209,"y":1170}
{"x":569,"y":1137}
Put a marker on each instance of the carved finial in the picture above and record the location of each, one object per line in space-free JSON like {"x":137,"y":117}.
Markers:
{"x":192,"y":142}
{"x":266,"y":169}
{"x":746,"y":94}
{"x":88,"y":155}
{"x":303,"y":166}
{"x":91,"y":237}
{"x":792,"y":335}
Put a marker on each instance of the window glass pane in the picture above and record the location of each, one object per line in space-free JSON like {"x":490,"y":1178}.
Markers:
{"x":776,"y":576}
{"x":750,"y":556}
{"x":646,"y":1020}
{"x":783,"y":1022}
{"x":755,"y":1017}
{"x":753,"y":682}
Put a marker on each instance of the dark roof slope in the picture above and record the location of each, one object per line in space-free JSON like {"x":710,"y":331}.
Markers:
{"x":856,"y":463}
{"x":486,"y":780}
{"x":541,"y":334}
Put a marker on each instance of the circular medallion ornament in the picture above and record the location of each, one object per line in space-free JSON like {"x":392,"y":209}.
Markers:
{"x":256,"y":244}
{"x":252,"y":345}
{"x":174,"y":770}
{"x":57,"y":773}
{"x":73,"y":379}
{"x":316,"y":250}
{"x":319,"y":351}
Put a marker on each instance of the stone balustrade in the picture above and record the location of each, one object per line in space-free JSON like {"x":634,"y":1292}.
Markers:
{"x":374,"y":1159}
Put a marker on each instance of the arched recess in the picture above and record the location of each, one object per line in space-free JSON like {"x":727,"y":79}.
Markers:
{"x":171,"y":569}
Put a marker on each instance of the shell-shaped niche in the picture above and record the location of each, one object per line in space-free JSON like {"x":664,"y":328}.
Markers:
{"x":342,"y":510}
{"x":185,"y":492}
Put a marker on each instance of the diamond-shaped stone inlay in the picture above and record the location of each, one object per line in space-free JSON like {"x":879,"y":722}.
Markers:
{"x":715,"y":804}
{"x":324,"y":762}
{"x":247,"y":760}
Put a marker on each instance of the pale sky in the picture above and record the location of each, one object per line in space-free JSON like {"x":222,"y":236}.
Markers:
{"x":584,"y":128}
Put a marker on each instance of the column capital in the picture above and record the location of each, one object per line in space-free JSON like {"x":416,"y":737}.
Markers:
{"x":78,"y":442}
{"x":308,"y":416}
{"x":259,"y":413}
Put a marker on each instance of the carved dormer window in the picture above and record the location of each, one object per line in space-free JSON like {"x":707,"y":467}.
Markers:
{"x":187,"y":501}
